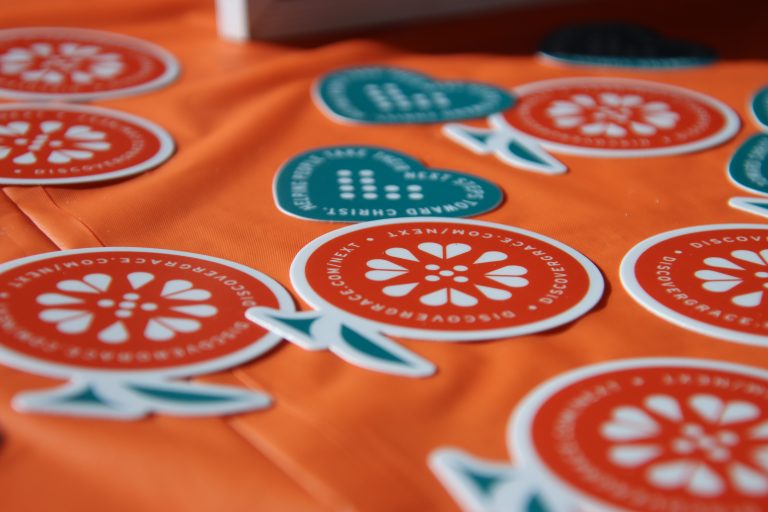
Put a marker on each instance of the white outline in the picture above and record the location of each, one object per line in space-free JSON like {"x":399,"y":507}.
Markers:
{"x":590,"y":299}
{"x":164,"y":152}
{"x":730,"y":128}
{"x":172,"y":67}
{"x":520,"y":442}
{"x":258,"y":347}
{"x":637,"y":292}
{"x":751,"y":107}
{"x":416,"y":164}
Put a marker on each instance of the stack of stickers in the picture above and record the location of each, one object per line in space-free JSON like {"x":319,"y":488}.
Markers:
{"x":647,"y":434}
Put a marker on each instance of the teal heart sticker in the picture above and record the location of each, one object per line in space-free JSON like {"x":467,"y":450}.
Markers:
{"x":385,"y":95}
{"x":748,"y":167}
{"x":622,"y":45}
{"x":363,"y":183}
{"x":760,"y":107}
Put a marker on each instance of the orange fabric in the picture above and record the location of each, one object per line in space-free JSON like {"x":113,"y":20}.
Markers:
{"x":338,"y":437}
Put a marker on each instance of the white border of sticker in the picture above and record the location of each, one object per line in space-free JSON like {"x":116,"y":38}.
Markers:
{"x":258,"y":347}
{"x":590,"y":299}
{"x":164,"y":152}
{"x":731,"y":127}
{"x":636,"y":291}
{"x":172,"y":67}
{"x":520,"y":442}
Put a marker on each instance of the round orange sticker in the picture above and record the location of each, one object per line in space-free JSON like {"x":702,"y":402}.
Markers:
{"x":614,"y":117}
{"x":123,"y":311}
{"x":78,"y":64}
{"x":650,"y":434}
{"x":711,"y":279}
{"x":45,"y":144}
{"x":447,"y":279}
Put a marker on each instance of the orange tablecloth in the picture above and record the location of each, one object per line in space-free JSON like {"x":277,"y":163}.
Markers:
{"x":338,"y":437}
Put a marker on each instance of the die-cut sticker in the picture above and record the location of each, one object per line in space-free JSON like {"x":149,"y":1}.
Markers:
{"x":123,"y":324}
{"x":622,"y":45}
{"x":598,"y":117}
{"x":362,"y":183}
{"x":642,"y":434}
{"x":711,"y":279}
{"x":386,"y":95}
{"x":431,"y":279}
{"x":750,"y":204}
{"x":760,"y":107}
{"x":748,"y":167}
{"x":61,"y":144}
{"x":73,"y":64}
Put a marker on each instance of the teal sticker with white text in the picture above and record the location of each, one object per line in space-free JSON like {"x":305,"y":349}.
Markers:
{"x":362,"y":183}
{"x":748,"y":167}
{"x":385,"y":95}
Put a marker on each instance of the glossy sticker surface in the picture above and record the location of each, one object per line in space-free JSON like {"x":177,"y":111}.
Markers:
{"x":711,"y":279}
{"x":447,"y":279}
{"x":50,"y":144}
{"x":386,"y":95}
{"x":612,"y":117}
{"x":68,"y":64}
{"x":649,"y":434}
{"x":748,"y":168}
{"x":361,"y":183}
{"x":622,"y":45}
{"x":131,"y":316}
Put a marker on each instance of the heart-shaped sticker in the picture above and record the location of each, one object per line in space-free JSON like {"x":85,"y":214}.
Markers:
{"x":385,"y":95}
{"x":748,"y":167}
{"x":622,"y":45}
{"x":362,"y":183}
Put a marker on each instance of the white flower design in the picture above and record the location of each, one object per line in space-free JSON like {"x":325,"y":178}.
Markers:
{"x":747,"y":276}
{"x":26,"y":143}
{"x":93,"y":302}
{"x":612,"y":115}
{"x":441,"y":282}
{"x":703,"y":445}
{"x":52,"y":65}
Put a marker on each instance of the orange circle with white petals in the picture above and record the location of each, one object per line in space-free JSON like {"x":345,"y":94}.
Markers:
{"x":619,"y":117}
{"x":454,"y":279}
{"x":661,"y":435}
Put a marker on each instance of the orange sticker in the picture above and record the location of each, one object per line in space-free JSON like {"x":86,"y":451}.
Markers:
{"x":711,"y":279}
{"x":432,"y":278}
{"x":131,"y":316}
{"x":46,"y":144}
{"x":78,"y":64}
{"x":653,"y":434}
{"x":598,"y":117}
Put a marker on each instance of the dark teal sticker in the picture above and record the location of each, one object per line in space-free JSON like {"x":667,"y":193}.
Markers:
{"x":362,"y":183}
{"x":760,"y":107}
{"x":383,"y":95}
{"x":748,"y":167}
{"x":622,"y":45}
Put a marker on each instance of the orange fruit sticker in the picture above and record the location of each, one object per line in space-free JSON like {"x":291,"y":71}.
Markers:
{"x":447,"y":278}
{"x":47,"y":144}
{"x":649,"y":434}
{"x":711,"y":279}
{"x":78,"y":64}
{"x":614,"y":117}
